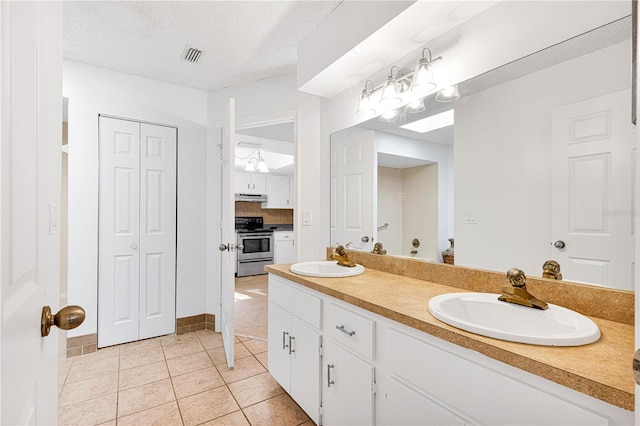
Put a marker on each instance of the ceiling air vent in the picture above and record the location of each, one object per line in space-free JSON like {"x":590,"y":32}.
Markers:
{"x":191,"y":55}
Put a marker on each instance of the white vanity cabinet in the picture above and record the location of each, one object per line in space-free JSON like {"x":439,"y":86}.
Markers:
{"x":348,"y":385}
{"x":378,"y":371}
{"x":250,"y":183}
{"x":278,"y":193}
{"x":295,"y":343}
{"x":284,"y":251}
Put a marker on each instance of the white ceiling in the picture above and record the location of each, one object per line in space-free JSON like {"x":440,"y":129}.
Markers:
{"x":243,"y":41}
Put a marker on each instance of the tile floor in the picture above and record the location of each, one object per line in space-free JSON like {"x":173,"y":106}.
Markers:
{"x":251,"y":306}
{"x":174,"y":380}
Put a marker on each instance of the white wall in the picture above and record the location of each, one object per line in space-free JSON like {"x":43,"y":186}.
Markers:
{"x":264,"y":100}
{"x":92,"y":91}
{"x":503,"y":159}
{"x":420,"y":212}
{"x":441,"y":154}
{"x":390,"y":208}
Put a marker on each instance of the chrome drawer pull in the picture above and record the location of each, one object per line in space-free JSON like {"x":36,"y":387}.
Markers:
{"x":329,"y":381}
{"x":341,"y":328}
{"x":291,"y":350}
{"x":284,"y":345}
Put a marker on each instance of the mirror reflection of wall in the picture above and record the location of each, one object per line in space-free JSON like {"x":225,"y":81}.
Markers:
{"x":507,"y":162}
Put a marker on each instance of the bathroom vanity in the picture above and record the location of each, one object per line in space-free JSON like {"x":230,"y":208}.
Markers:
{"x":365,"y":350}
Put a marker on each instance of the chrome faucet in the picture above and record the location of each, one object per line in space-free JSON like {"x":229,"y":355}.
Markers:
{"x":340,"y":255}
{"x":517,"y":292}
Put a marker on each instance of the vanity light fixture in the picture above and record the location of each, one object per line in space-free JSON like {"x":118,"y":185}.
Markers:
{"x":449,"y":94}
{"x":389,"y":116}
{"x":415,"y":106}
{"x":402,"y":86}
{"x":390,"y":96}
{"x":423,"y":80}
{"x":366,"y":103}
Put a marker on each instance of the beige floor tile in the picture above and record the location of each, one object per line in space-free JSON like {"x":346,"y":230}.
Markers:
{"x":166,"y":414}
{"x":142,"y":375}
{"x":255,"y":346}
{"x":242,"y":338}
{"x":218,"y":356}
{"x":254,"y":389}
{"x":139,"y":346}
{"x":207,"y":406}
{"x":263,"y":358}
{"x":188,"y":363}
{"x":309,"y":423}
{"x":181,"y":347}
{"x":211,"y":341}
{"x":141,"y":356}
{"x":244,"y":367}
{"x":196,"y":382}
{"x":111,"y":351}
{"x":171,"y":338}
{"x":92,"y":412}
{"x":144,"y":397}
{"x":73,"y":393}
{"x":236,"y":418}
{"x":109,"y":423}
{"x":86,"y":370}
{"x":64,"y":365}
{"x":279,"y":410}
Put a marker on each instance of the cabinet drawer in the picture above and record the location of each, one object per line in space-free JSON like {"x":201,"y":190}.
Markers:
{"x":283,"y":235}
{"x":351,"y":329}
{"x":298,"y":302}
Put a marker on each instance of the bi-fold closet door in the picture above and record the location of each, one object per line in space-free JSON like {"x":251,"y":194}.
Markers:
{"x":137,"y":231}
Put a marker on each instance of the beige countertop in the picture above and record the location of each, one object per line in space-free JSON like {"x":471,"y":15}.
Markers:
{"x":601,"y":369}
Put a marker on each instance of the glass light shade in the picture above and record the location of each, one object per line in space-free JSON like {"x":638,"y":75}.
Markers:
{"x":250,"y":167}
{"x":262,"y":166}
{"x":390,"y":96}
{"x":389,"y":116}
{"x":423,"y":81}
{"x":366,"y":104}
{"x":449,"y":94}
{"x":415,"y":106}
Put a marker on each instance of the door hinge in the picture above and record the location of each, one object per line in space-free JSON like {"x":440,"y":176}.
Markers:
{"x":320,"y":414}
{"x":373,"y":387}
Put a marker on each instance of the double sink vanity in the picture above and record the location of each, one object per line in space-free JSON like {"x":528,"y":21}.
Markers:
{"x":365,"y":346}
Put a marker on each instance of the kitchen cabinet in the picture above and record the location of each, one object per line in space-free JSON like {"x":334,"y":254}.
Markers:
{"x":295,"y":344}
{"x":284,"y":251}
{"x":251,"y":183}
{"x":278,"y":192}
{"x":378,"y":371}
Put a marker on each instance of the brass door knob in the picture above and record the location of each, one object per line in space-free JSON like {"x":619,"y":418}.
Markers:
{"x":67,"y":318}
{"x":636,"y":367}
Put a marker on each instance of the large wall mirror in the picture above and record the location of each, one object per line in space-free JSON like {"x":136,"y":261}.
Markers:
{"x":538,"y":163}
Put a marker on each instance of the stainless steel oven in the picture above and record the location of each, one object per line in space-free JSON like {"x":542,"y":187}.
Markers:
{"x":255,"y":246}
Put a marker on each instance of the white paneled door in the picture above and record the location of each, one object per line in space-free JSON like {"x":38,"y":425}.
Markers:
{"x":137,"y":231}
{"x":227,"y":235}
{"x":31,"y":133}
{"x":593,"y":191}
{"x":353,"y":177}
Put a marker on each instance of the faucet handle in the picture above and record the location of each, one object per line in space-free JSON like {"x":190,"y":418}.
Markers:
{"x":516,"y":277}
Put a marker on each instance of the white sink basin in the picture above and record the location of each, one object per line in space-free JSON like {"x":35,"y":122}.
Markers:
{"x":484,"y":314}
{"x":325,"y":268}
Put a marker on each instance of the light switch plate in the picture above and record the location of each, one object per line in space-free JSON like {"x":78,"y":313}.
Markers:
{"x":53,"y":218}
{"x":306,"y":218}
{"x":470,"y":218}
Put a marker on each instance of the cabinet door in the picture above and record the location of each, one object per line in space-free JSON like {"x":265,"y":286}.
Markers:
{"x":278,"y":344}
{"x":285,"y":252}
{"x":405,"y":406}
{"x":348,"y":383}
{"x":305,"y":367}
{"x":278,"y":192}
{"x":258,"y":183}
{"x":243,"y":183}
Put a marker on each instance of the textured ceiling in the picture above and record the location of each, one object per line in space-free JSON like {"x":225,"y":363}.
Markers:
{"x":243,"y":41}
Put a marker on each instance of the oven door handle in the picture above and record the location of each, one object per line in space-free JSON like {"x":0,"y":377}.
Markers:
{"x":240,"y":247}
{"x":248,"y":236}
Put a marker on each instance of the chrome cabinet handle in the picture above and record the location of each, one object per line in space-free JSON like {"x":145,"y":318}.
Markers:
{"x":284,"y":345}
{"x":341,"y":328}
{"x":291,"y":350}
{"x":329,"y":381}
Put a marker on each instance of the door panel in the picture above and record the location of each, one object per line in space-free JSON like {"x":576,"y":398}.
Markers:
{"x":227,"y":233}
{"x":119,"y":265}
{"x":30,"y":157}
{"x":278,"y":343}
{"x":305,"y":367}
{"x":593,"y":191}
{"x":158,"y":193}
